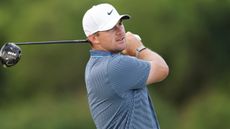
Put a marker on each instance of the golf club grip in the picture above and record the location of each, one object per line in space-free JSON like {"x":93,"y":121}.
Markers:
{"x":53,"y":42}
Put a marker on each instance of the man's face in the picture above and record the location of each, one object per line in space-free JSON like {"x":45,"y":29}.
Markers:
{"x":112,"y":40}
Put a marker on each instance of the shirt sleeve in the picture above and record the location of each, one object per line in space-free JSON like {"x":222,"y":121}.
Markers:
{"x":126,"y":73}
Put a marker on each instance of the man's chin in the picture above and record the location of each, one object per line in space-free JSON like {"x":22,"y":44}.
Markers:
{"x":118,"y":50}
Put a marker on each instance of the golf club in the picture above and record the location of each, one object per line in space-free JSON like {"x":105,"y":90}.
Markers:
{"x":10,"y":53}
{"x":52,"y":42}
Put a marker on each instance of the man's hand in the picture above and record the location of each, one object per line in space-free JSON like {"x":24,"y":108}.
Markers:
{"x":132,"y":43}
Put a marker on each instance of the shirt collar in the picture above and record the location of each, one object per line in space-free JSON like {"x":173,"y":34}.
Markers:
{"x":99,"y":53}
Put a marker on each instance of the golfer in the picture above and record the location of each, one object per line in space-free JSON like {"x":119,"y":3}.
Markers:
{"x":118,"y":72}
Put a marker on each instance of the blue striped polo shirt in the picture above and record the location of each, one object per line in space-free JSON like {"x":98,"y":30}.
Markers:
{"x":117,"y":94}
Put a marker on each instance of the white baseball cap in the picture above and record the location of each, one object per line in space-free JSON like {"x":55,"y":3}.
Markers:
{"x":101,"y":17}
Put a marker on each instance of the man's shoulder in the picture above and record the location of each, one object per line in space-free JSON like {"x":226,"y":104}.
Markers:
{"x":123,"y":62}
{"x":119,"y":58}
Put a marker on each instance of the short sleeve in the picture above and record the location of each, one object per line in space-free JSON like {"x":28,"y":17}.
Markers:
{"x":126,"y":73}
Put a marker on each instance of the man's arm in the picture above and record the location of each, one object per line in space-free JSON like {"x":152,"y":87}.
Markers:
{"x":159,"y":69}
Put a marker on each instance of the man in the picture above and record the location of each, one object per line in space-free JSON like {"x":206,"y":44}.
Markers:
{"x":118,"y":71}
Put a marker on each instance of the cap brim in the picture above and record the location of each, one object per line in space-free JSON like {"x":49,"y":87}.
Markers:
{"x":125,"y":17}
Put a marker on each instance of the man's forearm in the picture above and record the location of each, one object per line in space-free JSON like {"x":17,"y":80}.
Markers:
{"x":150,"y":55}
{"x":159,"y":68}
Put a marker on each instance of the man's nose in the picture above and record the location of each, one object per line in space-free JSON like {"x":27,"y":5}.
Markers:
{"x":119,"y":29}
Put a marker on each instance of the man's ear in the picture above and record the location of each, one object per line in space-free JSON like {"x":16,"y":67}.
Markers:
{"x":93,"y":39}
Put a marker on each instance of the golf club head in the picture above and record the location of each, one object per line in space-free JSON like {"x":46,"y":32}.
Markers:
{"x":10,"y":54}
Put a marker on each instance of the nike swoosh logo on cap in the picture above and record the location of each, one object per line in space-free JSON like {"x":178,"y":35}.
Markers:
{"x":110,"y":12}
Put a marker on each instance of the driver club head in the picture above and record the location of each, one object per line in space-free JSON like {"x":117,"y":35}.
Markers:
{"x":10,"y":54}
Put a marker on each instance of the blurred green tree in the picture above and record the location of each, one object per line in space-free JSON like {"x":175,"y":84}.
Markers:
{"x":46,"y":89}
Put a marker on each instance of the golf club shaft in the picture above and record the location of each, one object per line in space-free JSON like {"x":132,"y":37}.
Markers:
{"x":52,"y":42}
